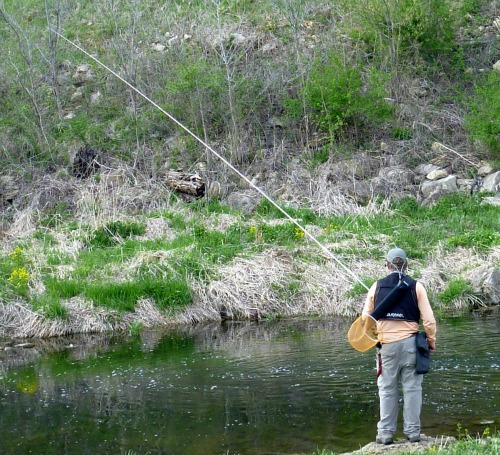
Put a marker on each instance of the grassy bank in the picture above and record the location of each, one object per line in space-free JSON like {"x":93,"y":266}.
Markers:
{"x":199,"y":261}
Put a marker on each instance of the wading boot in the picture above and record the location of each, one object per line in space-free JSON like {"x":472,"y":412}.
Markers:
{"x":384,"y":439}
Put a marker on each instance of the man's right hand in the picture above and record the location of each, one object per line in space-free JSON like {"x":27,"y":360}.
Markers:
{"x":432,"y":345}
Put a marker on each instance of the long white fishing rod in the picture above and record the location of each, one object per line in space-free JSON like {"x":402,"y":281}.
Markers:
{"x":218,"y":155}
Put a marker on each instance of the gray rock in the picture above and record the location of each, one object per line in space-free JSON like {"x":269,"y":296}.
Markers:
{"x":485,"y":169}
{"x":486,"y":281}
{"x":437,"y":174}
{"x":424,"y":169}
{"x":243,"y":202}
{"x":9,"y":189}
{"x":492,"y":182}
{"x":364,"y":191}
{"x":443,"y":186}
{"x":403,"y":446}
{"x":397,"y":175}
{"x":493,"y":200}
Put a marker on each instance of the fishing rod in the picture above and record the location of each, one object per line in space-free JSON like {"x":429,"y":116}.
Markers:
{"x":218,"y":155}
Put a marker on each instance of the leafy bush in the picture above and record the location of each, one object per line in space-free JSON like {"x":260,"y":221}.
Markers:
{"x":405,"y":30}
{"x":483,"y":119}
{"x":339,"y":95}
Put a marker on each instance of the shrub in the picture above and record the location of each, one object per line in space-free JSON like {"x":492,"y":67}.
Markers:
{"x":483,"y":119}
{"x":339,"y":95}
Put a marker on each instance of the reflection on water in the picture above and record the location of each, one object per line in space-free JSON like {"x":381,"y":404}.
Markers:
{"x":285,"y":387}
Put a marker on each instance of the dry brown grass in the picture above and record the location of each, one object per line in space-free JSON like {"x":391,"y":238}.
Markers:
{"x":269,"y":285}
{"x":275,"y":283}
{"x":19,"y":320}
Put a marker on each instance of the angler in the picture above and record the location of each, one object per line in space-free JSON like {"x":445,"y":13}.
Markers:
{"x":396,"y":304}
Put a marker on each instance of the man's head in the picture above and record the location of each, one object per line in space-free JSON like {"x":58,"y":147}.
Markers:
{"x":396,"y":259}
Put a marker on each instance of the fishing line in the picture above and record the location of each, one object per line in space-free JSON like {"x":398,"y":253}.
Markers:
{"x":218,"y":155}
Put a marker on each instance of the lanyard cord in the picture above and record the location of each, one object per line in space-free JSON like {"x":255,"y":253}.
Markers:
{"x":218,"y":155}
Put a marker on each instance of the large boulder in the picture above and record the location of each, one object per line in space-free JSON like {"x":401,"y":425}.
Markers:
{"x":492,"y":182}
{"x":442,"y":186}
{"x":486,"y":282}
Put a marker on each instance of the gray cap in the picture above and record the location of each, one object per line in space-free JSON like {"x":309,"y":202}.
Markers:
{"x":396,"y":253}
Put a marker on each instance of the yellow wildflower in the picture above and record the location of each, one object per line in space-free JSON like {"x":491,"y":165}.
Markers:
{"x":299,"y":233}
{"x":16,"y":252}
{"x":19,"y":277}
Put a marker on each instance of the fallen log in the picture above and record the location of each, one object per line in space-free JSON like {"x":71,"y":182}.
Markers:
{"x":191,"y":184}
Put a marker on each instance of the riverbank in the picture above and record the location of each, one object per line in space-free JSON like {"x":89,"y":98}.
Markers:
{"x":190,"y":264}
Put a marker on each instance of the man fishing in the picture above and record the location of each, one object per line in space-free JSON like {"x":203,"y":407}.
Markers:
{"x":404,"y":303}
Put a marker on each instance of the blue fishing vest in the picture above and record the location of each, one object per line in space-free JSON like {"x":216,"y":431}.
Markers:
{"x":405,"y":307}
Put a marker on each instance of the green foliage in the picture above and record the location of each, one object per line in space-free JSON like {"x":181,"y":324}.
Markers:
{"x":405,"y":30}
{"x":401,"y":133}
{"x":481,"y":239}
{"x":53,"y":216}
{"x":282,"y":234}
{"x":320,"y":156}
{"x":358,"y":289}
{"x":121,"y":296}
{"x":483,"y":119}
{"x":124,"y":296}
{"x":419,"y":229}
{"x":339,"y":95}
{"x":195,"y":92}
{"x":429,"y":26}
{"x":269,"y":210}
{"x":82,"y":128}
{"x":50,"y":306}
{"x":455,"y":290}
{"x":115,"y":232}
{"x":135,"y":328}
{"x":14,"y":273}
{"x":217,"y":247}
{"x":176,"y":221}
{"x":209,"y":206}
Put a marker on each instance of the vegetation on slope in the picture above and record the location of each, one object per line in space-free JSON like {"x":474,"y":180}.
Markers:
{"x":269,"y":82}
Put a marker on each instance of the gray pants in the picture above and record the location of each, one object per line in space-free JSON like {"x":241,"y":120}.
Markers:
{"x":398,"y":364}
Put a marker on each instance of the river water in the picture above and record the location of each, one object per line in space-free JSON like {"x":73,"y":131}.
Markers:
{"x":261,"y":388}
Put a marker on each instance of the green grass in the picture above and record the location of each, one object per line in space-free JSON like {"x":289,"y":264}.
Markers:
{"x":50,"y":306}
{"x":456,"y":220}
{"x":115,"y":268}
{"x":455,"y":289}
{"x":122,"y":296}
{"x":113,"y":232}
